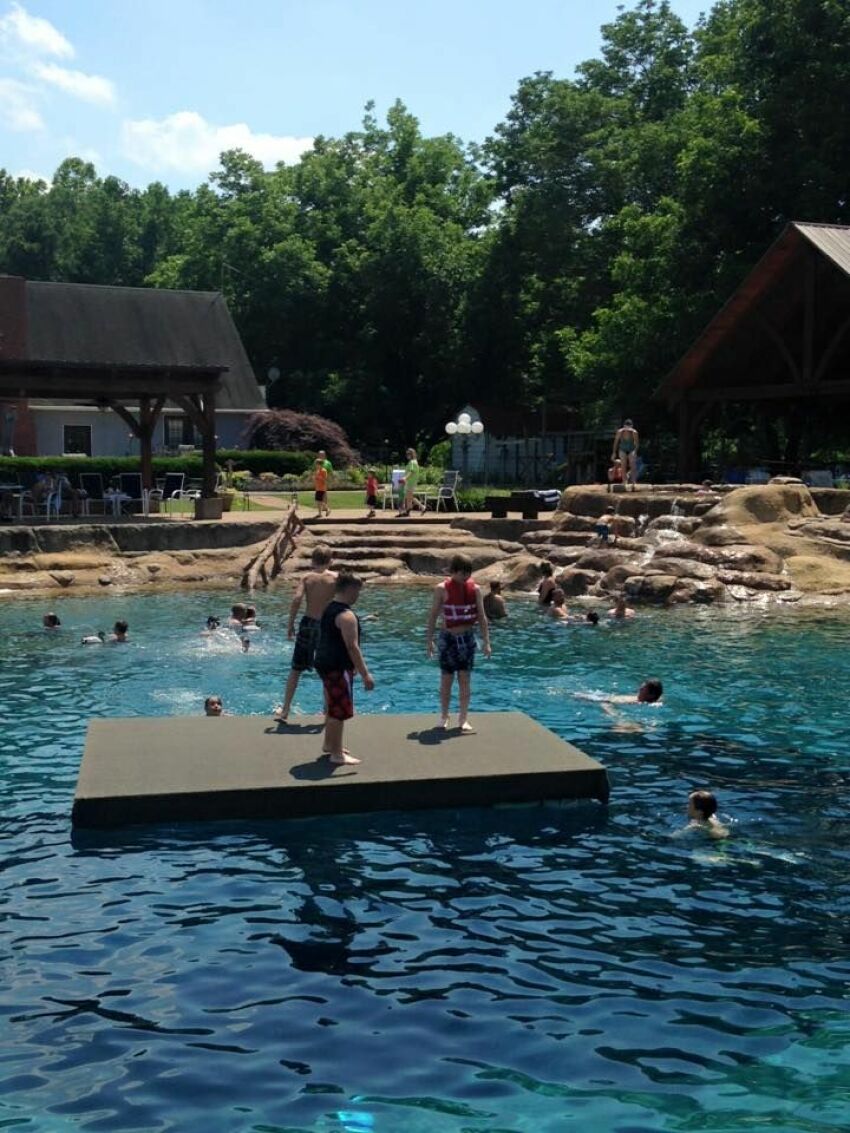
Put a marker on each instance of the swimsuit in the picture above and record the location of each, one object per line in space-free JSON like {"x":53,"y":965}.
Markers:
{"x":456,"y":651}
{"x":306,"y":641}
{"x":627,"y":444}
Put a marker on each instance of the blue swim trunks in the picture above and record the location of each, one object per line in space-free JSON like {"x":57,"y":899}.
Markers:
{"x":457,"y":651}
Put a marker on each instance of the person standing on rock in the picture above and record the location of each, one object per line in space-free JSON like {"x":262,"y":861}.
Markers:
{"x":317,"y":589}
{"x":625,"y":449}
{"x":459,"y":602}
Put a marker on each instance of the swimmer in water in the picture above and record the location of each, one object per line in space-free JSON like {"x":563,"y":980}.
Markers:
{"x":620,"y":611}
{"x":650,"y":692}
{"x":238,"y":613}
{"x":246,"y":644}
{"x":546,"y":585}
{"x":119,"y":633}
{"x":558,"y":609}
{"x":213,"y":706}
{"x":702,"y":812}
{"x":51,"y":621}
{"x":211,"y":627}
{"x":591,"y":618}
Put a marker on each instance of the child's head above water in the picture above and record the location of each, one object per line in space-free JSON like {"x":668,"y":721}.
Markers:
{"x":558,"y":596}
{"x":51,"y":621}
{"x":120,"y":628}
{"x":213,"y":706}
{"x":701,"y":805}
{"x":237,"y":612}
{"x":650,"y":692}
{"x":212,"y":622}
{"x":592,"y":618}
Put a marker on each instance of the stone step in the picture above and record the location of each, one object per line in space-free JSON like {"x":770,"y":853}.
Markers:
{"x":383,"y":566}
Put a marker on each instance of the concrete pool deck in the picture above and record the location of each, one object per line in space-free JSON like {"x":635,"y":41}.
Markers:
{"x":192,"y":769}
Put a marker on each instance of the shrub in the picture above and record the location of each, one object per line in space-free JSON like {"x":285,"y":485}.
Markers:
{"x":286,"y":429}
{"x":440,"y":455}
{"x":12,"y":468}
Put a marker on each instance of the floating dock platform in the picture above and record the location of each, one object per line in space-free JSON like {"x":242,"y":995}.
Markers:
{"x":193,"y":769}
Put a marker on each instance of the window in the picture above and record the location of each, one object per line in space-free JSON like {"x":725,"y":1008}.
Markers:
{"x":179,"y":431}
{"x":76,"y":440}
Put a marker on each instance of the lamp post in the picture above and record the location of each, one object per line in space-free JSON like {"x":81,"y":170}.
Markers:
{"x":464,"y":427}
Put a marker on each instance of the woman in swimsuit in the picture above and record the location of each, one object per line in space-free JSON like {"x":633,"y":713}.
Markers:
{"x":626,"y":449}
{"x":546,"y":585}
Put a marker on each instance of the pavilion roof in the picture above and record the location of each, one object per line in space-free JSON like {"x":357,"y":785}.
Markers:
{"x":76,"y":331}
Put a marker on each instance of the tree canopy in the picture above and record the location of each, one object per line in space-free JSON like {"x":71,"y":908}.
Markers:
{"x":570,"y":258}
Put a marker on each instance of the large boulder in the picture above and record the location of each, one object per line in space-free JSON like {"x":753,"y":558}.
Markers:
{"x":685,"y":550}
{"x":574,"y":582}
{"x":614,"y":578}
{"x":599,"y":559}
{"x":749,"y":558}
{"x":655,"y":588}
{"x":681,"y":568}
{"x":721,"y":536}
{"x":753,"y":580}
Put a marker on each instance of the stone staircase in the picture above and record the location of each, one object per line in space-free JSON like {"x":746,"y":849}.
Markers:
{"x":402,"y":549}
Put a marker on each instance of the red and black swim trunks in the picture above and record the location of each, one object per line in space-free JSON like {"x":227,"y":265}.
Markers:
{"x":339,"y":689}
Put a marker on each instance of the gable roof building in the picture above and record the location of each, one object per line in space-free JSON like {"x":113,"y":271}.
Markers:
{"x":784,"y":335}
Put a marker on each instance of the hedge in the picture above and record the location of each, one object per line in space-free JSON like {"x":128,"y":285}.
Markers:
{"x":253,"y":460}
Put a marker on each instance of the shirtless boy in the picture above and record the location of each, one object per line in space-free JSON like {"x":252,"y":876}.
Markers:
{"x":702,"y":812}
{"x":317,"y":589}
{"x":459,"y":602}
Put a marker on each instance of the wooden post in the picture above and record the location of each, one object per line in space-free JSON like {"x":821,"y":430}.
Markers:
{"x":208,"y":441}
{"x":807,"y":369}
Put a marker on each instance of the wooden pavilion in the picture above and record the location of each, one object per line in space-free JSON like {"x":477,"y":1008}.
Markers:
{"x":131,"y":350}
{"x":782,"y":337}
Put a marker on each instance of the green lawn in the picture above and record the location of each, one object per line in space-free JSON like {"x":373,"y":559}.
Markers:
{"x":187,"y":507}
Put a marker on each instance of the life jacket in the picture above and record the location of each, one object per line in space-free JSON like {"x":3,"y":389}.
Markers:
{"x":460,"y":607}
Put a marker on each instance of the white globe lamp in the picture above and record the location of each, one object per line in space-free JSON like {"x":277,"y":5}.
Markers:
{"x":451,"y":428}
{"x":464,"y":419}
{"x":464,"y":428}
{"x":477,"y":427}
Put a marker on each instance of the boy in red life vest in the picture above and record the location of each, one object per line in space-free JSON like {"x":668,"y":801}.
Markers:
{"x":459,"y":601}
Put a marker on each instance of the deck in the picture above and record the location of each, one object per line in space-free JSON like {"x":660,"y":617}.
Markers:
{"x":191,"y":769}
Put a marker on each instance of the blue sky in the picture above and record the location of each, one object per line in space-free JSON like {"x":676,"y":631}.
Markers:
{"x":155,"y":89}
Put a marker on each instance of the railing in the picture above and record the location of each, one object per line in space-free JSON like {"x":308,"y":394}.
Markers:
{"x":266,"y":565}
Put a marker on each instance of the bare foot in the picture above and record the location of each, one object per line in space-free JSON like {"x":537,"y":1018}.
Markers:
{"x":344,"y":758}
{"x":466,"y":727}
{"x":443,"y":722}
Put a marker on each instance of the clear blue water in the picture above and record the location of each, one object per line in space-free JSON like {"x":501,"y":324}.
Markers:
{"x":533,"y":970}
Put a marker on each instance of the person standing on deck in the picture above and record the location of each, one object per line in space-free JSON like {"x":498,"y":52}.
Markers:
{"x":320,"y":482}
{"x":338,"y":657}
{"x":625,"y":449}
{"x":317,"y":587}
{"x":459,"y":602}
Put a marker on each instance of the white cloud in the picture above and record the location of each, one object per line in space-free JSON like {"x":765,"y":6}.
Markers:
{"x":17,"y":107}
{"x":186,"y":142}
{"x":33,"y":33}
{"x":90,"y":88}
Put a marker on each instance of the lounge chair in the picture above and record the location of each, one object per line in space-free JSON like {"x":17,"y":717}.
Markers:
{"x":131,"y":487}
{"x":172,"y":489}
{"x":441,"y":493}
{"x":91,"y":483}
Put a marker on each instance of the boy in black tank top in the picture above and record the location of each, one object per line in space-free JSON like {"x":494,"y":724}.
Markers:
{"x":338,"y":656}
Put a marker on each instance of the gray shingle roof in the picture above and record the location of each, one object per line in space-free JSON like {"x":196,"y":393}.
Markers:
{"x":136,"y":326}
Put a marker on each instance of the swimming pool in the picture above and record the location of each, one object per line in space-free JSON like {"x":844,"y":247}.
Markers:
{"x":510,"y":970}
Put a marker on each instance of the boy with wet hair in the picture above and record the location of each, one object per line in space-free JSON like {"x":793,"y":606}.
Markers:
{"x":119,"y":632}
{"x":702,"y":812}
{"x":213,"y":706}
{"x":494,"y":603}
{"x":338,"y":657}
{"x":458,"y":601}
{"x":51,"y":621}
{"x":316,"y":588}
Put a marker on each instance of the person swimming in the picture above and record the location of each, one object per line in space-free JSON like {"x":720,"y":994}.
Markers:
{"x":558,"y":609}
{"x":702,"y":813}
{"x":546,"y":585}
{"x":620,"y":611}
{"x":119,"y":632}
{"x":211,"y":627}
{"x":650,"y":692}
{"x":213,"y":706}
{"x":51,"y":621}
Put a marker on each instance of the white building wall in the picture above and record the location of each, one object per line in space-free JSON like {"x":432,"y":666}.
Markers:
{"x":110,"y":435}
